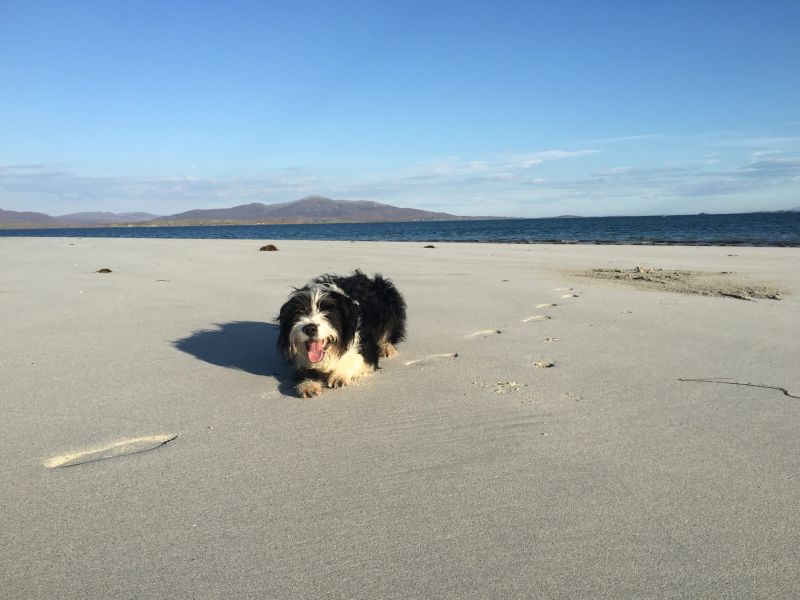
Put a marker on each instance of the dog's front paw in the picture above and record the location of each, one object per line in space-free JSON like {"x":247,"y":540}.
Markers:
{"x":337,"y":381}
{"x":309,"y":388}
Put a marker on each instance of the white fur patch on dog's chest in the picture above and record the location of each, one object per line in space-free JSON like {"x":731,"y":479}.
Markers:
{"x":349,"y":367}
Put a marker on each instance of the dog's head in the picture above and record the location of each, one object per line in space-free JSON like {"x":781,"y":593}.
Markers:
{"x":317,"y":325}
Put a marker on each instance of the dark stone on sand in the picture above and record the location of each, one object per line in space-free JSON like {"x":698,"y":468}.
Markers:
{"x":268,"y":248}
{"x":104,"y":270}
{"x":429,"y":246}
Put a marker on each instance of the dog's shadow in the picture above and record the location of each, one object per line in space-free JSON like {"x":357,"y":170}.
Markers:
{"x":248,"y":346}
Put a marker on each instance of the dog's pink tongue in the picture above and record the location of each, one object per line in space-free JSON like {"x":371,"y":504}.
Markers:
{"x":316,"y":350}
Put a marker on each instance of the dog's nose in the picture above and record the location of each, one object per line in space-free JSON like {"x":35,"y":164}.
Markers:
{"x":310,"y":330}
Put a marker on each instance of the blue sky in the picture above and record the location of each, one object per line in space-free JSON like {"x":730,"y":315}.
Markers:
{"x":529,"y":109}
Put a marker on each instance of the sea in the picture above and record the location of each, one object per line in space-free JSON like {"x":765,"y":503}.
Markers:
{"x":751,"y":229}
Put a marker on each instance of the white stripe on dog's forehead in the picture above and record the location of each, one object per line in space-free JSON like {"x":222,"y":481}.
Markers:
{"x":316,"y":297}
{"x":329,"y":287}
{"x":335,"y":288}
{"x":318,"y":293}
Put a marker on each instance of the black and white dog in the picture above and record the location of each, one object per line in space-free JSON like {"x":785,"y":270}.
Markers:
{"x":336,"y":328}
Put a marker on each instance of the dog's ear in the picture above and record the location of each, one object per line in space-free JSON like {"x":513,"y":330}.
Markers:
{"x":291,"y":311}
{"x":285,"y":326}
{"x":345,"y":319}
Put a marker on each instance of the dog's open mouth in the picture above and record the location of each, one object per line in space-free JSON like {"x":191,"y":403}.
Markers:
{"x":316,"y":349}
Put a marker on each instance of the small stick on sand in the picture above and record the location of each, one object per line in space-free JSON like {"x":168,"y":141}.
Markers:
{"x":758,"y":385}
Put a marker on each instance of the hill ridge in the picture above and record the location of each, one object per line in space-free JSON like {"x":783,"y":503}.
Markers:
{"x":307,"y":210}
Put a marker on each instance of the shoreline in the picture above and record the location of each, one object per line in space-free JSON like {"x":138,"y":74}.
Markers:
{"x":756,"y":229}
{"x":521,"y":242}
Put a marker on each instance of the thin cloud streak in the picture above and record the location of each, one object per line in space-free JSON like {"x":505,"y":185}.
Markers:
{"x":542,"y":183}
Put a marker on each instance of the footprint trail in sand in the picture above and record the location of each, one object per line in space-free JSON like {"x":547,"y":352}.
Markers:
{"x":483,"y":333}
{"x":487,"y":333}
{"x":536,"y":318}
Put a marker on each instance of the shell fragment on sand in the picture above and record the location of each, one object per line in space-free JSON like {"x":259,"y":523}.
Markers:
{"x":120,"y":448}
{"x":431,"y":358}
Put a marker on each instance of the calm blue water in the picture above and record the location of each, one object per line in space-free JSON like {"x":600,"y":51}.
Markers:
{"x":754,"y":229}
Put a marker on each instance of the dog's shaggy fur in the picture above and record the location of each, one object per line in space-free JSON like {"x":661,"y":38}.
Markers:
{"x":336,"y":328}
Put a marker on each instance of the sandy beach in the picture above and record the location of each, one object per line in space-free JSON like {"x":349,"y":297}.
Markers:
{"x":543,"y":433}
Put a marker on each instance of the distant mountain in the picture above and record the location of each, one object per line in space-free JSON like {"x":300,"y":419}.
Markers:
{"x":312,"y":209}
{"x":244,"y":212}
{"x":90,"y":219}
{"x":785,"y":210}
{"x":11,"y":218}
{"x":31,"y":219}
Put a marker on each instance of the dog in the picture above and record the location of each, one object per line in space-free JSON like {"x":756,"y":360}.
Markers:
{"x":336,"y":328}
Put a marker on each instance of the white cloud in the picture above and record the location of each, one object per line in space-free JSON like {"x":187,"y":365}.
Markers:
{"x":57,"y":192}
{"x":773,"y":167}
{"x":613,"y":171}
{"x":559,"y":154}
{"x":694,"y":174}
